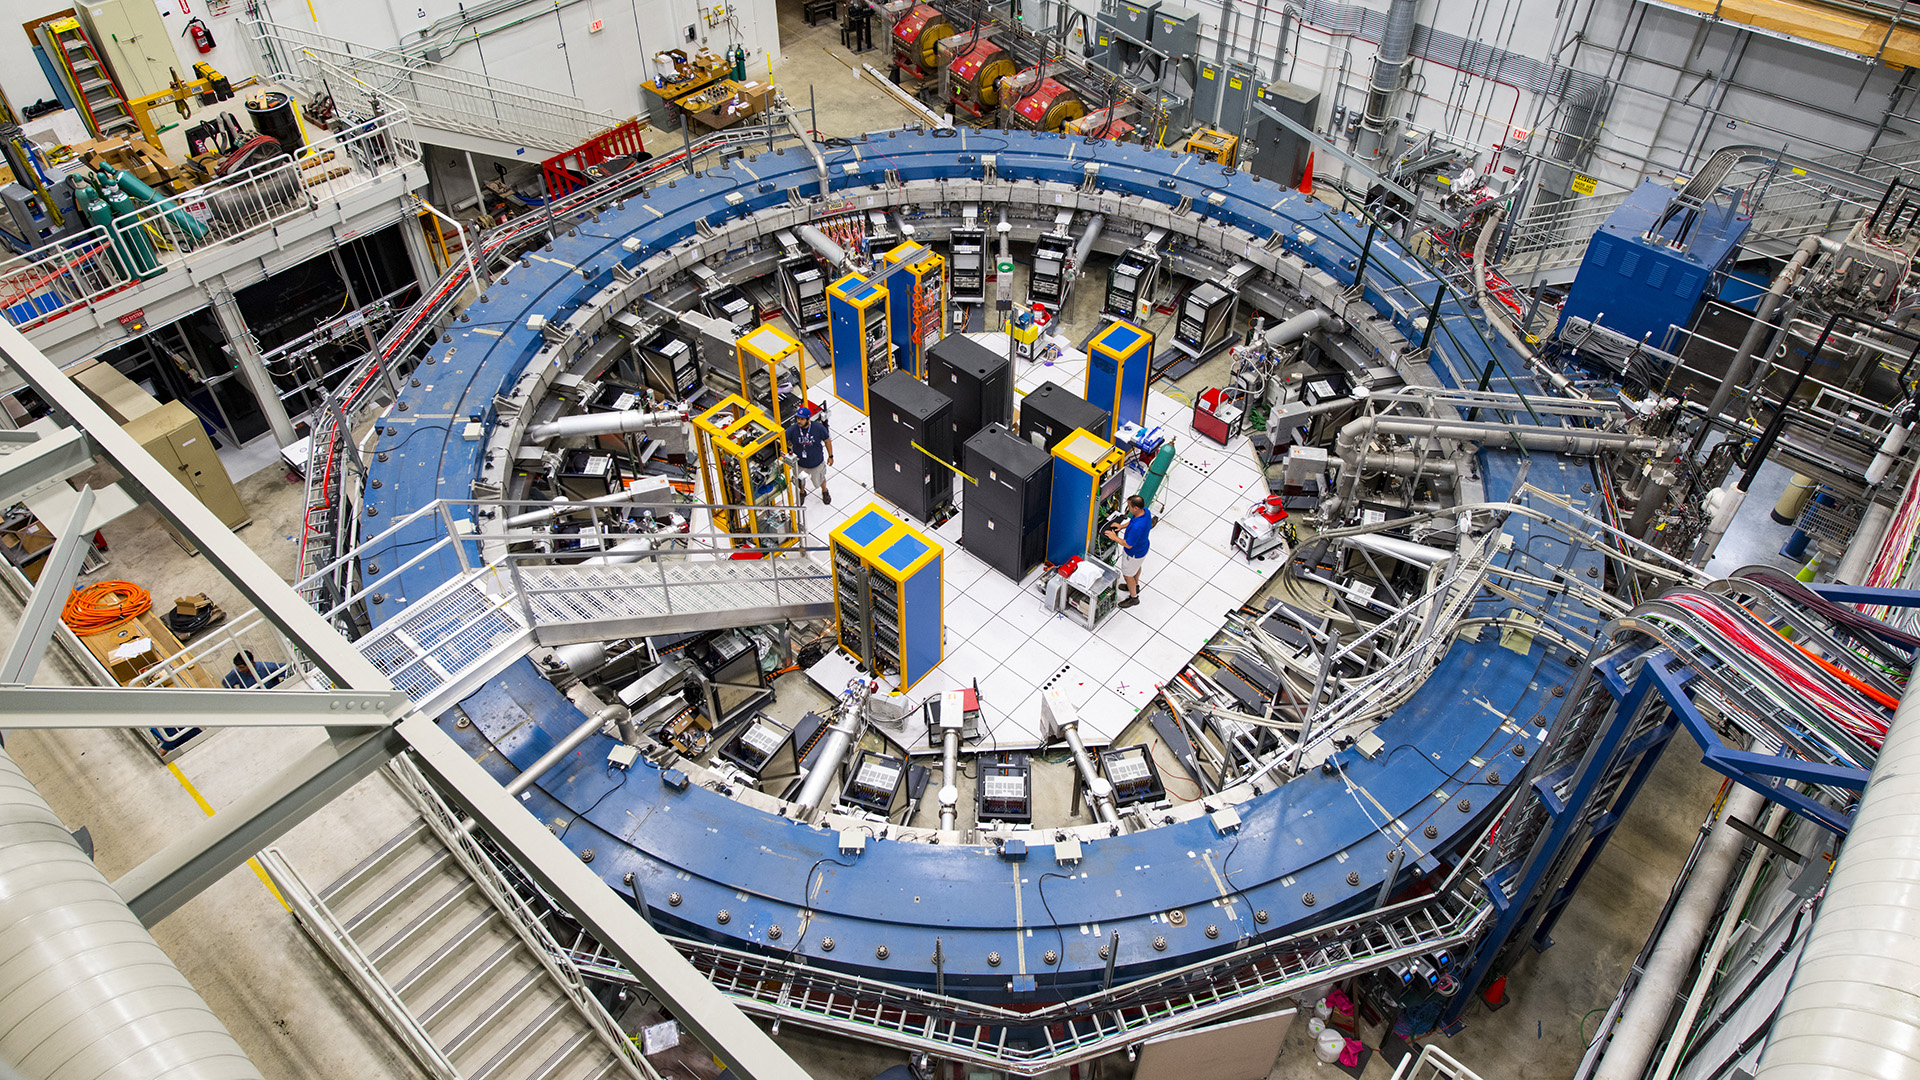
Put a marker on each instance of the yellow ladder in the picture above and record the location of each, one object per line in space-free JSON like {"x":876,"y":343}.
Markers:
{"x":92,"y":82}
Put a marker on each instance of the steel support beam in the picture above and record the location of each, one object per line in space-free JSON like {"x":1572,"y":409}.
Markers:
{"x":210,"y":850}
{"x":246,"y":355}
{"x":49,"y":597}
{"x":747,"y":1051}
{"x":42,"y":461}
{"x":241,"y":565}
{"x":39,"y":707}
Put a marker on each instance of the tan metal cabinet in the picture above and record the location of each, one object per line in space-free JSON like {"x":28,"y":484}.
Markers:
{"x":176,"y":439}
{"x":134,"y":40}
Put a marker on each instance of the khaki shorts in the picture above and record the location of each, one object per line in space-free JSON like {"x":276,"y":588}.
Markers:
{"x":816,"y":475}
{"x":1130,"y":566}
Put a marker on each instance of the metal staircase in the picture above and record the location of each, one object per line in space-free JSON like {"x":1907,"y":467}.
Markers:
{"x":445,"y":100}
{"x":446,"y":644}
{"x":453,"y":960}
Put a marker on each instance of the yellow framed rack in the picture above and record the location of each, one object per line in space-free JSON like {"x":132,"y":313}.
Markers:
{"x":743,"y":463}
{"x":773,"y":371}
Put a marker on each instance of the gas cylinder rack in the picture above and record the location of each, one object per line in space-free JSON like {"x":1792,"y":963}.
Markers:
{"x":743,"y":467}
{"x":887,"y":591}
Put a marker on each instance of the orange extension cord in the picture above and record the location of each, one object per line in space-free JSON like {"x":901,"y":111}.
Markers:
{"x":104,"y":605}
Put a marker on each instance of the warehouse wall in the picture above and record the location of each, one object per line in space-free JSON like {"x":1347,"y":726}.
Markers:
{"x":1777,"y":92}
{"x":550,"y":48}
{"x":544,"y":45}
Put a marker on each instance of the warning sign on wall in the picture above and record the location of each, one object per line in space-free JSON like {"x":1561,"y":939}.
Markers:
{"x":1583,"y":184}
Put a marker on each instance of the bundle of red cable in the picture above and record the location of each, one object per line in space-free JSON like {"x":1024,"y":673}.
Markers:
{"x":104,"y":605}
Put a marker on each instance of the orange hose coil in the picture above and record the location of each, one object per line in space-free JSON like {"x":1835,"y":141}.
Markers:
{"x":104,"y":605}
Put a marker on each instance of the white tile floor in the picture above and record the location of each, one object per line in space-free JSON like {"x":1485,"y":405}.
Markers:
{"x":1000,"y":634}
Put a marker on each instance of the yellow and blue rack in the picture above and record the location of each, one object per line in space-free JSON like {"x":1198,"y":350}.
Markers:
{"x":887,"y":591}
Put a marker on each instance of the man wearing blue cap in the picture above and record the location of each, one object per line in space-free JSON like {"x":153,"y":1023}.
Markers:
{"x":812,"y":447}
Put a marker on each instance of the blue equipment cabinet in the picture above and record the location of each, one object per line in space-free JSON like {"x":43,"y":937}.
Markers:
{"x":917,"y":303}
{"x":887,"y":595}
{"x":1119,"y":366}
{"x":1659,"y":256}
{"x":858,"y":326}
{"x":1089,"y":479}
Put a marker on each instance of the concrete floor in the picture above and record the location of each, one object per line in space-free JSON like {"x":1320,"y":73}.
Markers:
{"x":297,"y":1019}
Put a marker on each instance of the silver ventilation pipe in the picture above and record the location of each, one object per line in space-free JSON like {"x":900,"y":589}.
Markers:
{"x":1390,"y":65}
{"x":608,"y":423}
{"x":833,"y":748}
{"x":835,"y":255}
{"x":1060,"y":720}
{"x":1350,"y":445}
{"x":1644,"y":1019}
{"x":1853,"y":1007}
{"x":1760,"y":329}
{"x":1292,"y":330}
{"x":1084,"y":249}
{"x":88,"y":994}
{"x":612,"y":714}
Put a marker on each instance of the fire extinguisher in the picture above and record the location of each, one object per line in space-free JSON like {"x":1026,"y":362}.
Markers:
{"x":202,"y":37}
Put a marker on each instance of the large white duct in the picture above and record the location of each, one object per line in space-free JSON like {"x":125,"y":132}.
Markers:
{"x":1645,"y":1017}
{"x":603,"y":423}
{"x":1299,"y":326}
{"x":85,"y":993}
{"x":1853,"y":1008}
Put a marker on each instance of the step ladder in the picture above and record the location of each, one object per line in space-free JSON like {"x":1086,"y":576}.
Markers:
{"x":95,"y":89}
{"x":453,"y":969}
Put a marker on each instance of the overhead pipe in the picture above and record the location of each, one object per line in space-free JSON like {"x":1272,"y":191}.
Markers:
{"x":563,"y":506}
{"x":1350,"y":445}
{"x":1850,"y":1010}
{"x":1865,"y":545}
{"x":1499,"y":320}
{"x":834,"y":746}
{"x":1084,"y":249}
{"x":610,"y":423}
{"x":835,"y":255}
{"x":1390,"y":64}
{"x":1292,"y":330}
{"x":1062,"y":721}
{"x":1644,"y":1019}
{"x":89,"y":994}
{"x":612,"y":714}
{"x":1732,"y":922}
{"x":1757,"y":332}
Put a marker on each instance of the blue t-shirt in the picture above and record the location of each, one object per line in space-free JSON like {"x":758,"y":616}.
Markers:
{"x":808,"y":442}
{"x":1134,"y":536}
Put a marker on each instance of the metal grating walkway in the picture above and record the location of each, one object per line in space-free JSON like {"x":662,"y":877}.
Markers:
{"x":443,"y":646}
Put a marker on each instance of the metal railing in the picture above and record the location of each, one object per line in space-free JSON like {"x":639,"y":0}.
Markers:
{"x":1788,"y":205}
{"x":1432,"y":1064}
{"x":1035,"y":1041}
{"x":461,"y":840}
{"x":325,"y":533}
{"x":440,"y":97}
{"x":327,"y":932}
{"x":49,"y":282}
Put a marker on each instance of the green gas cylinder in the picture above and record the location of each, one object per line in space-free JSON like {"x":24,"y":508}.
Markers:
{"x":1156,"y":472}
{"x":130,"y":236}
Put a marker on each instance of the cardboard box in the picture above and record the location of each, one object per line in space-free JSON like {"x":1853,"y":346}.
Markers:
{"x":24,"y":544}
{"x":191,"y":605}
{"x":130,"y":659}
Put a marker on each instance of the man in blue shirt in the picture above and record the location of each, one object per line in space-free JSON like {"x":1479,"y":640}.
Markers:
{"x":248,"y":671}
{"x":1132,"y":538}
{"x":812,"y":447}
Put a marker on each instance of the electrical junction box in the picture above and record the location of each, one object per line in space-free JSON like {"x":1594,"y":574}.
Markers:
{"x":623,"y":756}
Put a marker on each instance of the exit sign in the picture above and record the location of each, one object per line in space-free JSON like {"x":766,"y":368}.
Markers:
{"x":596,"y":26}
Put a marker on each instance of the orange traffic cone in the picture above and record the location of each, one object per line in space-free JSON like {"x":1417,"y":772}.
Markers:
{"x":1496,"y":993}
{"x":1306,"y":181}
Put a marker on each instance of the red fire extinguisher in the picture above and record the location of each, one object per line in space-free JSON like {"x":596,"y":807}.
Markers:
{"x":202,"y":37}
